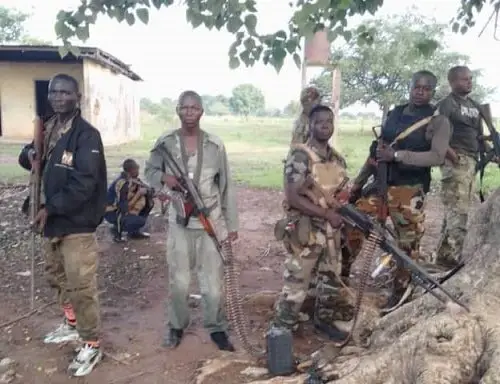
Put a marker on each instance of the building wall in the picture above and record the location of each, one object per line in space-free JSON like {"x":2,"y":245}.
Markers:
{"x":111,"y":103}
{"x":17,"y":94}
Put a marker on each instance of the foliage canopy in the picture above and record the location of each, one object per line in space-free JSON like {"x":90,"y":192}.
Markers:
{"x":379,"y":72}
{"x":240,"y":17}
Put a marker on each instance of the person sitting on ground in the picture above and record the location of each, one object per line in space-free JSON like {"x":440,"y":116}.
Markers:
{"x":129,"y":203}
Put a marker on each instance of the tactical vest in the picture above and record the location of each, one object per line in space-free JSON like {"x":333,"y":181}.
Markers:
{"x":416,"y":141}
{"x":327,"y":175}
{"x":136,"y":203}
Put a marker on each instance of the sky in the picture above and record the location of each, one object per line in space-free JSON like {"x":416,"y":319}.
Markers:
{"x":170,"y":56}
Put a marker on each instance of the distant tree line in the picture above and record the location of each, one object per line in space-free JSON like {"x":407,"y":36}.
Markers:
{"x":245,"y":100}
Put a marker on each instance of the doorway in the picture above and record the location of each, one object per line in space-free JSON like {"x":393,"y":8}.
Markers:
{"x":43,"y":108}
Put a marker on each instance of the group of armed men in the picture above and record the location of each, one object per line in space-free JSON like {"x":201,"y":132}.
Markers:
{"x":75,"y":200}
{"x":414,"y":138}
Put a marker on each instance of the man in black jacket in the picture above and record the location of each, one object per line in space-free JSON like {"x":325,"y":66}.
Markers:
{"x":73,"y":201}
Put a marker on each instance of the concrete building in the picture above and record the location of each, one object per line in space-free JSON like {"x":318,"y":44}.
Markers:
{"x":109,"y":98}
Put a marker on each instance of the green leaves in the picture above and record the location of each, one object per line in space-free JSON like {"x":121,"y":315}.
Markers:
{"x":143,"y":15}
{"x":65,"y":50}
{"x":130,"y":18}
{"x":234,"y":62}
{"x":240,"y":17}
{"x":83,"y":32}
{"x":427,"y":46}
{"x":194,"y":17}
{"x":234,"y":24}
{"x":297,"y":60}
{"x":251,"y":23}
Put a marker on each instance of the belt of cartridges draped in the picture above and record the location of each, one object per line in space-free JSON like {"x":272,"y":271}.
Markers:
{"x":234,"y":302}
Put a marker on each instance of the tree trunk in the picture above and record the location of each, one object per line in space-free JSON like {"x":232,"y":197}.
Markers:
{"x":426,"y":342}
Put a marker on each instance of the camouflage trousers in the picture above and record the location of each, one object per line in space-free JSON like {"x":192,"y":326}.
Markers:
{"x":305,"y":266}
{"x":406,"y":211}
{"x":71,"y":268}
{"x":457,"y":190}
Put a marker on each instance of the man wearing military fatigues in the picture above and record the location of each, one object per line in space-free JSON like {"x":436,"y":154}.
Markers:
{"x":202,"y":156}
{"x":414,"y":138}
{"x":310,"y":232}
{"x":459,"y":170}
{"x":309,"y":97}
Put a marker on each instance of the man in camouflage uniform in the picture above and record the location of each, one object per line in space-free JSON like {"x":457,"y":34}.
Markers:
{"x":310,"y":232}
{"x":203,"y":158}
{"x":459,"y":170}
{"x":413,"y":139}
{"x":309,"y":97}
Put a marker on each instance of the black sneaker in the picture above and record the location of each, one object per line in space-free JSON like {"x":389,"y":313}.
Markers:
{"x":222,"y":341}
{"x":172,"y":338}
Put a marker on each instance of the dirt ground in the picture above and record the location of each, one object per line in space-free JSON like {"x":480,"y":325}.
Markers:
{"x":132,"y":282}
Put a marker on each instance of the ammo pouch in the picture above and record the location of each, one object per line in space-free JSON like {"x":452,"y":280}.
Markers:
{"x":298,"y":230}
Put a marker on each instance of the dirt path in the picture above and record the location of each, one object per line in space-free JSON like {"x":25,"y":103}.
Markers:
{"x":133,"y":288}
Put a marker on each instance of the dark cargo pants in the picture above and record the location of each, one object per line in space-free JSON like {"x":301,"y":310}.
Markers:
{"x":71,"y":268}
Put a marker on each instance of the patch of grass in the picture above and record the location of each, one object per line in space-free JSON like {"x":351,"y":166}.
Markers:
{"x":255,"y":146}
{"x":12,"y":173}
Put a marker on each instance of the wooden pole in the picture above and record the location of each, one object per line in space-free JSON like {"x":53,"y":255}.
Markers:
{"x":336,"y":79}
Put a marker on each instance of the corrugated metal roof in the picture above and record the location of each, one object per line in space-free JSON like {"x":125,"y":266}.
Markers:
{"x":51,"y":53}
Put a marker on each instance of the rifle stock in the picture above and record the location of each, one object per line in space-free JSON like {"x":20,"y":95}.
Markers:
{"x":35,"y":185}
{"x":494,"y":137}
{"x":36,"y":167}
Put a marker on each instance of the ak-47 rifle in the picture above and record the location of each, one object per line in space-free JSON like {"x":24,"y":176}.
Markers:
{"x":484,"y":156}
{"x":382,"y":188}
{"x":191,"y":203}
{"x":35,"y":184}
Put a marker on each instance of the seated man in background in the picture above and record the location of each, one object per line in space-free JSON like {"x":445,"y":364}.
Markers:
{"x":129,"y":203}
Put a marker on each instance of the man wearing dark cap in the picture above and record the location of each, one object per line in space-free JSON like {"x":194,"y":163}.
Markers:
{"x":130,"y":201}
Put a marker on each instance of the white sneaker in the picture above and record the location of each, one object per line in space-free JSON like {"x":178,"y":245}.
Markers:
{"x":85,"y":361}
{"x":62,"y":334}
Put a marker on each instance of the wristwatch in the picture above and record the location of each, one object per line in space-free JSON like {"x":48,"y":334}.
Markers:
{"x":396,"y":156}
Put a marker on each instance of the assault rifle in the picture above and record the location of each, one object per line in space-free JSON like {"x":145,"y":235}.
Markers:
{"x":382,"y":187}
{"x":387,"y":243}
{"x":486,"y":157}
{"x":188,"y":203}
{"x":35,"y":184}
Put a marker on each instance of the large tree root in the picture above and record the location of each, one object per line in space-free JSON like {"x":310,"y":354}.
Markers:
{"x":441,"y":350}
{"x":424,"y":342}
